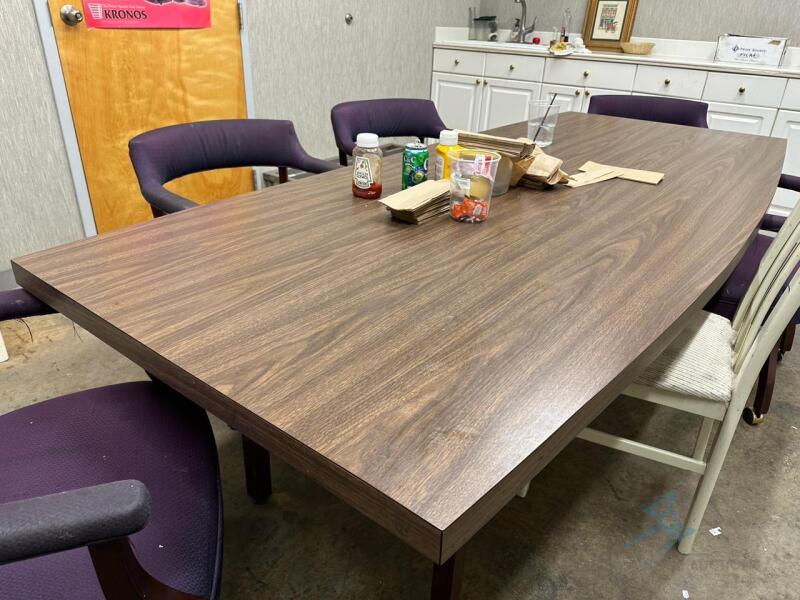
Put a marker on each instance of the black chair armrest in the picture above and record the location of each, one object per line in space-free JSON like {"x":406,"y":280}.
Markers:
{"x":19,"y":304}
{"x":58,"y":522}
{"x":789,"y":182}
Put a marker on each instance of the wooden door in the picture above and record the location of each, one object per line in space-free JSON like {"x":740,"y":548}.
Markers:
{"x":122,"y":82}
{"x":458,"y":100}
{"x":506,"y":102}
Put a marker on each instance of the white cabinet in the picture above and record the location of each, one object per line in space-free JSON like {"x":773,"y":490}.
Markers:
{"x":668,"y":81}
{"x":575,"y":99}
{"x":570,"y":99}
{"x":585,"y":73}
{"x":458,"y":62}
{"x":753,"y":90}
{"x":509,"y":66}
{"x":458,"y":99}
{"x":505,"y":102}
{"x":741,"y":119}
{"x":787,"y":126}
{"x":791,"y":100}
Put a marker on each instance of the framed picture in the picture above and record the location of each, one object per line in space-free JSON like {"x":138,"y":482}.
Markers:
{"x":608,"y":24}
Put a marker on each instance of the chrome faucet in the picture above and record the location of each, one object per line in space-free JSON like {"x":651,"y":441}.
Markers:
{"x":523,"y":29}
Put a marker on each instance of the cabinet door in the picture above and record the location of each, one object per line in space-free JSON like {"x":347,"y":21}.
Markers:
{"x":458,"y":99}
{"x":589,"y":92}
{"x":787,"y":126}
{"x":740,"y":118}
{"x":506,"y":102}
{"x":570,"y":99}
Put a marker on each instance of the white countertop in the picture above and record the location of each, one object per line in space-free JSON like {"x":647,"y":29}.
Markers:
{"x":696,"y":58}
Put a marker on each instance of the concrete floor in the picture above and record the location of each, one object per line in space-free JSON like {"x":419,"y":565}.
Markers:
{"x":570,"y":539}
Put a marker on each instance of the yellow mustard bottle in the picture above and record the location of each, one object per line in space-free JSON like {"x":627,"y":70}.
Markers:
{"x":448,"y":141}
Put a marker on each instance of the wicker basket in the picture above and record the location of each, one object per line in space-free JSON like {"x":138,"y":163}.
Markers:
{"x":638,"y":48}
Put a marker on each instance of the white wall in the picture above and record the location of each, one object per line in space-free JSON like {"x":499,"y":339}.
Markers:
{"x":38,"y":208}
{"x":306,"y":59}
{"x":677,"y":19}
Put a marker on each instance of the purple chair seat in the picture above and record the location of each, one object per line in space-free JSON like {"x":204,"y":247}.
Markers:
{"x":727,"y":299}
{"x":141,"y":431}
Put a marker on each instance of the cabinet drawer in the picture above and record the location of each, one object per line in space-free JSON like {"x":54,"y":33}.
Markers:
{"x":510,"y":66}
{"x":744,"y":89}
{"x":791,"y":100}
{"x":665,"y":81}
{"x":586,"y":73}
{"x":456,"y":61}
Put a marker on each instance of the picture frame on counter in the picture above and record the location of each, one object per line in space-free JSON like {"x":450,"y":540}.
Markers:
{"x":609,"y":24}
{"x":751,"y":49}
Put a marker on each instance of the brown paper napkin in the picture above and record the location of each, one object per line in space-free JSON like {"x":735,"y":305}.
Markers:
{"x":651,"y":177}
{"x":419,"y":203}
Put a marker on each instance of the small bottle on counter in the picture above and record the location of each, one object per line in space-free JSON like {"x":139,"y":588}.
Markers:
{"x":448,"y":141}
{"x":367,"y":165}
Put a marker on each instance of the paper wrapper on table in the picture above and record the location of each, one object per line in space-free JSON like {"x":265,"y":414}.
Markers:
{"x":544,"y":170}
{"x":512,"y":148}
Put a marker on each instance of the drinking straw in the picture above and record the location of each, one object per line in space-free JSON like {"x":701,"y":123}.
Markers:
{"x":544,"y":118}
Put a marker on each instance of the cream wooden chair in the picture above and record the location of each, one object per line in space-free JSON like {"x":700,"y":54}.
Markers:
{"x":711,"y":368}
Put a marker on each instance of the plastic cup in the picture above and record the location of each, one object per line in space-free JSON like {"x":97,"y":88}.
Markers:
{"x":472,"y":176}
{"x":542,"y":121}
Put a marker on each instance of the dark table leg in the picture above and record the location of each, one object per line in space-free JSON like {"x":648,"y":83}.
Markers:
{"x":257,"y":471}
{"x":447,"y":578}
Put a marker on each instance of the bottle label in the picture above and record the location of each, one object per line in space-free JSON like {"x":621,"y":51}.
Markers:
{"x":362,"y":172}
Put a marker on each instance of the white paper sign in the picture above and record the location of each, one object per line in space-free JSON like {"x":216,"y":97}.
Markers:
{"x":751,"y":50}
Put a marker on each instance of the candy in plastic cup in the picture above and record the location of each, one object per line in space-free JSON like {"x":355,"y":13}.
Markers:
{"x":472,"y":176}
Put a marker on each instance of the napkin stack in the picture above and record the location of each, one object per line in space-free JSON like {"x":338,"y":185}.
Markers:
{"x":543,"y":171}
{"x":514,"y":149}
{"x":421,"y":202}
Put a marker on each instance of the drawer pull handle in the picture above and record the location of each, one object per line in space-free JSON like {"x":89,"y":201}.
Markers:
{"x":667,"y":81}
{"x":742,"y":90}
{"x":577,"y":92}
{"x":457,"y":61}
{"x":511,"y":67}
{"x":485,"y":82}
{"x":587,"y":93}
{"x":586,"y":73}
{"x":477,"y":82}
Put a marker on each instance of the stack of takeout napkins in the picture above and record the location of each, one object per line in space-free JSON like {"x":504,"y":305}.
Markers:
{"x":519,"y":148}
{"x":543,"y":171}
{"x":421,"y":202}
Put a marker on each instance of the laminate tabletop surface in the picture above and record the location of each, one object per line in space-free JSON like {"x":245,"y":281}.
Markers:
{"x":424,"y":373}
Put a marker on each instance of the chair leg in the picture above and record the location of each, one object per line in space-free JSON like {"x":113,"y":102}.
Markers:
{"x":283,"y":175}
{"x":702,"y":438}
{"x":523,"y":492}
{"x":787,"y":341}
{"x":3,"y":351}
{"x":257,"y":471}
{"x":342,"y":158}
{"x":764,"y":390}
{"x":709,"y":480}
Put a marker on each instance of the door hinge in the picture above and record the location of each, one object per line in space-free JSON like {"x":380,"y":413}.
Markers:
{"x":241,"y":14}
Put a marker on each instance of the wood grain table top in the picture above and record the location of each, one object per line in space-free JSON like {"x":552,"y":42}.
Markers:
{"x":424,"y":373}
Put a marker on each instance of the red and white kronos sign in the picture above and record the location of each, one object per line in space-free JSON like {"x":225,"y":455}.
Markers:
{"x":148,"y":14}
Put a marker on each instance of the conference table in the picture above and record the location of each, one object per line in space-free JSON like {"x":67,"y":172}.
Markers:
{"x":424,"y":373}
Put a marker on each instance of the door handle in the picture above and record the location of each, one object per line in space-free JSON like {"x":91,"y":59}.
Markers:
{"x":71,"y":15}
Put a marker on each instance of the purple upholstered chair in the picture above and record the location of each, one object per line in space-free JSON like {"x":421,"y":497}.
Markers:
{"x":393,"y":117}
{"x":726,"y":301}
{"x":108,"y":493}
{"x":161,"y":155}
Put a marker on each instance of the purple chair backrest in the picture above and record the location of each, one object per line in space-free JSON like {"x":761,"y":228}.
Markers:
{"x":165,"y":154}
{"x":394,"y":117}
{"x":648,"y":108}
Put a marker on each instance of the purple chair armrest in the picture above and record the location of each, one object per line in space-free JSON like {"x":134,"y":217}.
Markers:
{"x":18,"y":304}
{"x":58,"y":522}
{"x":790,"y":182}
